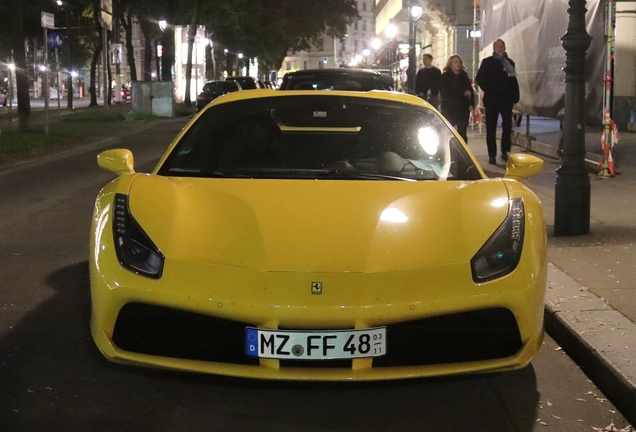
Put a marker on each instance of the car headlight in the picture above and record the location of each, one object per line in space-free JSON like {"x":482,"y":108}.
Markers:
{"x":135,"y":250}
{"x":500,"y":254}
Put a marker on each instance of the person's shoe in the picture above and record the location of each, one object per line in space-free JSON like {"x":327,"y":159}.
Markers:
{"x":492,"y":160}
{"x":504,"y":156}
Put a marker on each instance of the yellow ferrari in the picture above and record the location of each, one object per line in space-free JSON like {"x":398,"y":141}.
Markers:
{"x":318,"y":235}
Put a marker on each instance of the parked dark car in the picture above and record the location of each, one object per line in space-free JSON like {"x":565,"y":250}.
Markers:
{"x":336,"y":79}
{"x":214,"y":89}
{"x":246,"y":82}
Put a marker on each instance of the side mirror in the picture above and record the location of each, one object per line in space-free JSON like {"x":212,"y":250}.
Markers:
{"x":522,"y":166}
{"x":118,"y":161}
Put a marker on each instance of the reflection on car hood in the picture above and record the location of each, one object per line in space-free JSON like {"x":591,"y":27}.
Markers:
{"x":317,"y":226}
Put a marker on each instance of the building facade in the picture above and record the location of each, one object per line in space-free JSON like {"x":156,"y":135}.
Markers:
{"x":380,"y":38}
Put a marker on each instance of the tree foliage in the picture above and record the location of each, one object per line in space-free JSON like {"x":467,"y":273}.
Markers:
{"x":266,"y":29}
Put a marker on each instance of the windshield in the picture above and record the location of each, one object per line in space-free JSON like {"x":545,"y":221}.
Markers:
{"x":220,"y":86}
{"x":348,"y":82}
{"x":320,"y":137}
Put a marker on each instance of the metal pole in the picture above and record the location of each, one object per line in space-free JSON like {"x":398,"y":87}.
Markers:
{"x":46,"y":82}
{"x":11,"y":85}
{"x":106,"y":84}
{"x":572,"y":191}
{"x":335,"y":53}
{"x":69,"y":76}
{"x":607,"y":167}
{"x":410,"y":72}
{"x":57,"y":65}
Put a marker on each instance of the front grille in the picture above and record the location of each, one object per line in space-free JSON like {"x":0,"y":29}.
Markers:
{"x":463,"y":337}
{"x":456,"y":338}
{"x":174,"y":333}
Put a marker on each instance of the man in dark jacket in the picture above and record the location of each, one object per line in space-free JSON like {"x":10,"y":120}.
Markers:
{"x":498,"y":80}
{"x":427,"y":81}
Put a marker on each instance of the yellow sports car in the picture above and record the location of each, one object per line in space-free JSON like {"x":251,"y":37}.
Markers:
{"x":318,"y":235}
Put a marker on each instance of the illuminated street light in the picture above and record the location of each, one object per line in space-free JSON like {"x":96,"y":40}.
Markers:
{"x":163,"y":24}
{"x":391,"y":31}
{"x":415,"y":12}
{"x":376,"y":43}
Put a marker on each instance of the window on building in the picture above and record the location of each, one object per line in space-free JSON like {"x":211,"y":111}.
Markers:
{"x":343,"y":46}
{"x":288,"y":65}
{"x":364,"y":6}
{"x":305,"y":64}
{"x":355,"y":46}
{"x":364,"y":25}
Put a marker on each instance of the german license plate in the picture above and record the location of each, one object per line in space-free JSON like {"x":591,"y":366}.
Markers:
{"x":315,"y":345}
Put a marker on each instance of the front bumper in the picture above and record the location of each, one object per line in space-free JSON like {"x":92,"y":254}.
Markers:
{"x":438,"y":322}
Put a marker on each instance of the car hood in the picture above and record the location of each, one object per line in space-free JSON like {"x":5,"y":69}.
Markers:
{"x":318,"y":225}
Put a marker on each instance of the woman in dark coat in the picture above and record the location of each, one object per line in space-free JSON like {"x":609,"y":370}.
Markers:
{"x":458,"y":98}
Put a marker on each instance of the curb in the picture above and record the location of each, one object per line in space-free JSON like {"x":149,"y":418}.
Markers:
{"x":596,"y":336}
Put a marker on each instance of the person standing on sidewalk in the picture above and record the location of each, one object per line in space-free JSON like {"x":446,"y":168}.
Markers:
{"x":457,"y":94}
{"x":427,"y":81}
{"x":498,"y":80}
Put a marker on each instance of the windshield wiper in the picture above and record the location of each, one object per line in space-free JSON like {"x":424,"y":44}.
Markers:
{"x":197,"y":172}
{"x":361,"y":175}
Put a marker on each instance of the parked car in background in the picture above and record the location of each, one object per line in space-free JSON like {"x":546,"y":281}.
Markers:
{"x":246,"y":82}
{"x":336,"y":79}
{"x":318,"y":235}
{"x":214,"y":89}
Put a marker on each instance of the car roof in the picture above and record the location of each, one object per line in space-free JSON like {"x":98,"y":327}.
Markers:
{"x":337,"y":74}
{"x":334,"y":71}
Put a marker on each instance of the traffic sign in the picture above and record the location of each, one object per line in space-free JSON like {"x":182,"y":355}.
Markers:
{"x":54,"y":40}
{"x":47,"y":20}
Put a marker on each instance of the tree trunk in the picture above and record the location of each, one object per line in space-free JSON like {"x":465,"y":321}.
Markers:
{"x":147,"y":68}
{"x":22,"y":81}
{"x":92,"y":85}
{"x":192,"y":31}
{"x":130,"y":50}
{"x":167,"y":43}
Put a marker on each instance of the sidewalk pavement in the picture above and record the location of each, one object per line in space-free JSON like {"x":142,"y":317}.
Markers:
{"x":591,"y":295}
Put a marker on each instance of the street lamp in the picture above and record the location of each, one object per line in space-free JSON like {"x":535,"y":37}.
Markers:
{"x":415,"y":12}
{"x":572,"y":190}
{"x":391,"y":31}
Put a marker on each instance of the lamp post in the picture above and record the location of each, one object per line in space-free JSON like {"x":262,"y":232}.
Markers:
{"x":11,"y":85}
{"x":391,"y":32}
{"x":415,"y":12}
{"x":572,"y":190}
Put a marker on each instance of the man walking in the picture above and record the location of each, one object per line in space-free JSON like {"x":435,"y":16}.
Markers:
{"x":498,"y":80}
{"x":427,"y":81}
